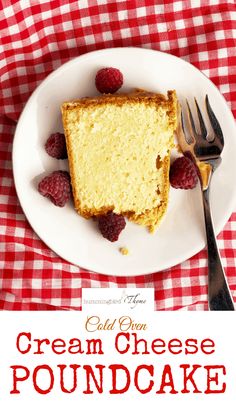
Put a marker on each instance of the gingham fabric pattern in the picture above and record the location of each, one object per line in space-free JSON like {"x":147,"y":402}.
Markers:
{"x":39,"y":36}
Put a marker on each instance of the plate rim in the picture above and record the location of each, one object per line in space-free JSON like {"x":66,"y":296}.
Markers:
{"x":90,"y":268}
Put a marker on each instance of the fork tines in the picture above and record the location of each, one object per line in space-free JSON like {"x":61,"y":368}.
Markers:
{"x":207,"y":145}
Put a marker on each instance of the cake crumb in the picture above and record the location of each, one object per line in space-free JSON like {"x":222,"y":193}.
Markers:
{"x":151,"y":229}
{"x":178,"y":148}
{"x":124,"y":251}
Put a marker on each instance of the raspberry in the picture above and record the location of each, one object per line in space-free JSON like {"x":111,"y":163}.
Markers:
{"x":111,"y":225}
{"x":183,"y":173}
{"x":56,"y":146}
{"x":56,"y":187}
{"x":63,"y":173}
{"x":108,"y":80}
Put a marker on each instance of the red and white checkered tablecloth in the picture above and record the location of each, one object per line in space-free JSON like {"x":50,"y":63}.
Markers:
{"x":36,"y":38}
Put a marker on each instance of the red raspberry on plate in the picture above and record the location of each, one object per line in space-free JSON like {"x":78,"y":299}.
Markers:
{"x":111,"y":225}
{"x":56,"y":146}
{"x":108,"y":80}
{"x":63,"y":173}
{"x":56,"y":187}
{"x":183,"y":173}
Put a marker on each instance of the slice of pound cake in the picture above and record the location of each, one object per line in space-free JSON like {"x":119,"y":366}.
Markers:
{"x":119,"y":154}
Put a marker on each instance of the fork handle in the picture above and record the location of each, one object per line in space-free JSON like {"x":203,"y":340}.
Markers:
{"x":219,"y":296}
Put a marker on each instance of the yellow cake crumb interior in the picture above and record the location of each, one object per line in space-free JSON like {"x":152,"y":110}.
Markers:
{"x":115,"y":154}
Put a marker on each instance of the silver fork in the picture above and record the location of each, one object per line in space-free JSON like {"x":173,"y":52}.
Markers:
{"x":205,"y":149}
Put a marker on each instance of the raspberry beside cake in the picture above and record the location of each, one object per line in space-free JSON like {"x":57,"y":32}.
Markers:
{"x":119,"y":154}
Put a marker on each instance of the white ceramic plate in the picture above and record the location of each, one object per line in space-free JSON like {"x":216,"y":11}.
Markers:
{"x":77,"y":240}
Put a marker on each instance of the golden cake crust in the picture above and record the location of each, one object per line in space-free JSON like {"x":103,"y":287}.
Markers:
{"x":150,"y":217}
{"x":138,"y":95}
